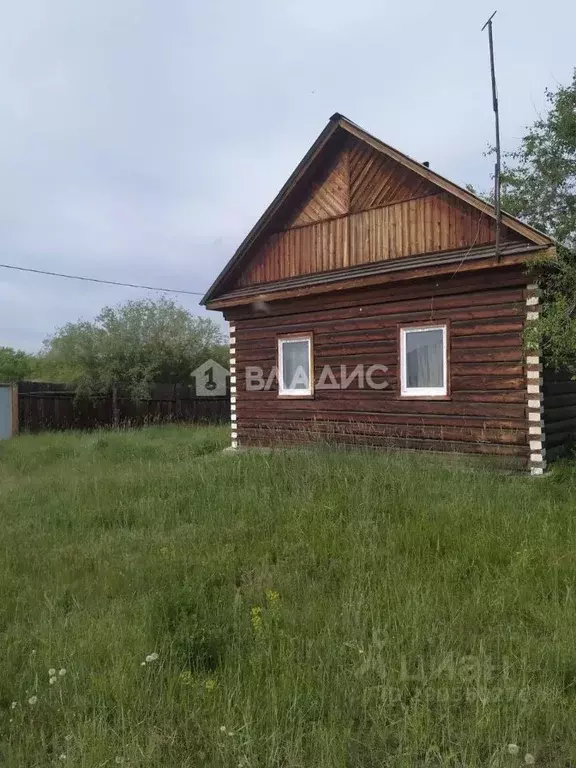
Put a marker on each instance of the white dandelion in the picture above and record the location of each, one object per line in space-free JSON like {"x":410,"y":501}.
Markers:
{"x":513,"y":749}
{"x":62,"y":672}
{"x":529,"y":759}
{"x":151,"y":657}
{"x":52,"y":680}
{"x":14,"y":705}
{"x":51,"y":672}
{"x":33,"y":700}
{"x":142,"y":663}
{"x":63,"y":757}
{"x":222,"y":729}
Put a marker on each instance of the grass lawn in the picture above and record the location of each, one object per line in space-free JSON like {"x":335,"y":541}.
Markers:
{"x":327,"y":610}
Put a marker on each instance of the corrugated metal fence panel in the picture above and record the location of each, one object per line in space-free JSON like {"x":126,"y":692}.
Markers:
{"x":5,"y":411}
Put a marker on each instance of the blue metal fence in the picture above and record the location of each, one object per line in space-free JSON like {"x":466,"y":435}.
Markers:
{"x":6,"y":411}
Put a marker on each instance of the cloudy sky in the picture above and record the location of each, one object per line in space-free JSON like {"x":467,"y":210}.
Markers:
{"x":140,"y":140}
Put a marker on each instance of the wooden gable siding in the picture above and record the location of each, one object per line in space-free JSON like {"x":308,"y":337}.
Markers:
{"x":428,"y":224}
{"x":377,"y":180}
{"x":328,"y":197}
{"x":301,"y":202}
{"x":487,"y":408}
{"x":357,"y":179}
{"x":362,"y":206}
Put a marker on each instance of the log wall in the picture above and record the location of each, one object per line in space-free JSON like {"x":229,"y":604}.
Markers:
{"x":486,"y":411}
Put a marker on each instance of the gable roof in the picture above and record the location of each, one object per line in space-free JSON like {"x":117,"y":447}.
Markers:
{"x":340,"y":124}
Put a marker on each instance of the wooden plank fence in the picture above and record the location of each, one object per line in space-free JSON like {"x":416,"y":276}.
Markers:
{"x":48,"y":406}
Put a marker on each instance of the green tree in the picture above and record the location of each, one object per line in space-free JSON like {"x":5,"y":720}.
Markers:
{"x":135,"y":343}
{"x":539,"y":187}
{"x":15,"y":365}
{"x":539,"y":178}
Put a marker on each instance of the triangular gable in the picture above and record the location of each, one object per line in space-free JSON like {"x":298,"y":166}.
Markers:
{"x":356,"y":179}
{"x":354,"y":200}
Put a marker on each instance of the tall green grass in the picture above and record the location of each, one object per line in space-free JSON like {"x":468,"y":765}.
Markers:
{"x":318,"y":610}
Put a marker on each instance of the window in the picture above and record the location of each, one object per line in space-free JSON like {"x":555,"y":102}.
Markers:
{"x":423,"y":361}
{"x":295,"y":366}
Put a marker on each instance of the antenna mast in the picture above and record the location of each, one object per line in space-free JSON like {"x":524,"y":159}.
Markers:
{"x":497,"y":127}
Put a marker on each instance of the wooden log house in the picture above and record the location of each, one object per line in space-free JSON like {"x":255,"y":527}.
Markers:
{"x":367,"y":259}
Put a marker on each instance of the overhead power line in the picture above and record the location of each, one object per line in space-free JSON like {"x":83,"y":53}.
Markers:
{"x":99,"y":280}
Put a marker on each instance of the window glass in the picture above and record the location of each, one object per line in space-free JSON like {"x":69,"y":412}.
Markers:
{"x":295,"y":366}
{"x":424,"y":361}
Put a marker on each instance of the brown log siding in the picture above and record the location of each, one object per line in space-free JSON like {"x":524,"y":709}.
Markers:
{"x":486,"y":411}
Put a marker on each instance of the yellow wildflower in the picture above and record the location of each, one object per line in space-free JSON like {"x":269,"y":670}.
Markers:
{"x":256,"y":617}
{"x":273,"y":601}
{"x":210,"y":684}
{"x":186,"y":677}
{"x":272,"y":596}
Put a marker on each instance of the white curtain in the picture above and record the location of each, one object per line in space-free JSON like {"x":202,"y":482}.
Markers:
{"x":295,"y":365}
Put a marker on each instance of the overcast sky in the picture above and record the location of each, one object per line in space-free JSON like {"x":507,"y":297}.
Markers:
{"x":140,"y":140}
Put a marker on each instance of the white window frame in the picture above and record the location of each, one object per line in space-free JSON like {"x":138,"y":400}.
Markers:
{"x":285,"y":391}
{"x":406,"y":391}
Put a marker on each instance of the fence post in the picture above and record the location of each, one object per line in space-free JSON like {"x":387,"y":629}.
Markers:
{"x":177,"y":415}
{"x":15,"y":408}
{"x":115,"y":409}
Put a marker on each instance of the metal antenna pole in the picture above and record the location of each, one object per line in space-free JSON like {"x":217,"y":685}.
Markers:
{"x":497,"y":126}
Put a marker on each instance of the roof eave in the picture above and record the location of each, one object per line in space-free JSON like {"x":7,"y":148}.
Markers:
{"x":384,"y":272}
